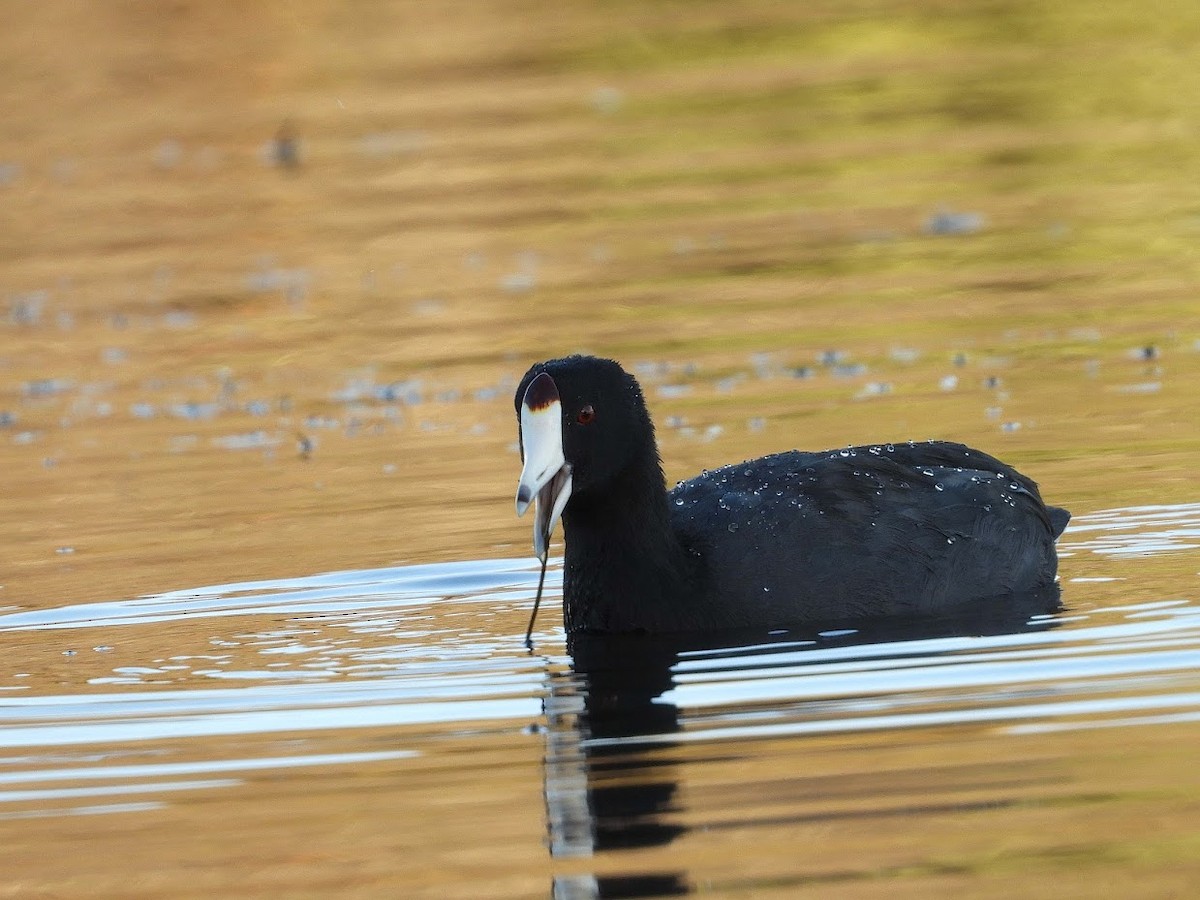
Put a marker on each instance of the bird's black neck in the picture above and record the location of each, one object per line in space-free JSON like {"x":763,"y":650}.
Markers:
{"x":624,"y":569}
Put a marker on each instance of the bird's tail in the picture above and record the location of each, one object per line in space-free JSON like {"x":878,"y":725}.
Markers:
{"x":1059,"y":518}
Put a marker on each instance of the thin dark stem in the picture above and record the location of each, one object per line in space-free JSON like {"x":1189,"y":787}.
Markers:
{"x":537,"y":601}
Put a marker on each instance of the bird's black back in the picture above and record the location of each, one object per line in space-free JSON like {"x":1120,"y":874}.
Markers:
{"x":880,"y":530}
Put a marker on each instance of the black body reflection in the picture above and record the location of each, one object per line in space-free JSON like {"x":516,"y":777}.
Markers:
{"x":612,"y":773}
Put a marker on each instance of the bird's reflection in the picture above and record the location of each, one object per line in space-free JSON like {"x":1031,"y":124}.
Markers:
{"x":612,"y":779}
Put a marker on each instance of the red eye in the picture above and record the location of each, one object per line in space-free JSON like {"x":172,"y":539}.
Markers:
{"x":586,"y":415}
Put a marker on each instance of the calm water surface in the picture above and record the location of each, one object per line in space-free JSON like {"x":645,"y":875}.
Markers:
{"x":433,"y":654}
{"x":641,"y":745}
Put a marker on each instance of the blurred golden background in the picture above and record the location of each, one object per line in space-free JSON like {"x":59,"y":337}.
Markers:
{"x":268,"y":272}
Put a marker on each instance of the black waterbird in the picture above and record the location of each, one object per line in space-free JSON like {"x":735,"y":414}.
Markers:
{"x":905,"y":529}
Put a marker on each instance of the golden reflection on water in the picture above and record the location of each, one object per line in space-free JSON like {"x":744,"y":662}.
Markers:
{"x":227,"y":358}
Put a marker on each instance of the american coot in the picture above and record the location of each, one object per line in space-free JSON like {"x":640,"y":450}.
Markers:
{"x":855,"y":533}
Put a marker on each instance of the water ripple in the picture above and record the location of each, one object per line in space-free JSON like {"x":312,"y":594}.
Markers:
{"x":1136,"y":530}
{"x":424,"y":646}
